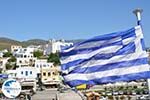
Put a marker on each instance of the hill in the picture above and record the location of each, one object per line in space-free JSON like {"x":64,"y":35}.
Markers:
{"x":5,"y":43}
{"x":34,"y":42}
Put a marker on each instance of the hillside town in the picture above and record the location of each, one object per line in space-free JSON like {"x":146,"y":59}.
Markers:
{"x":74,"y":50}
{"x":35,"y":67}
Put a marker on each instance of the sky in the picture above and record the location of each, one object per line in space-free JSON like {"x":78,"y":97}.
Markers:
{"x":69,"y":19}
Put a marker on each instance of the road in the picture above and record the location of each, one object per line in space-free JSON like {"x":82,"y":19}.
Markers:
{"x":70,"y":95}
{"x":49,"y":94}
{"x":52,"y":94}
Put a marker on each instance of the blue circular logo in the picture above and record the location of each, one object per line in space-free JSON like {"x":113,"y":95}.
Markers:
{"x":11,"y":88}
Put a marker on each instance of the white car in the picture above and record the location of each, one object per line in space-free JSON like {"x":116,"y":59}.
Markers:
{"x":102,"y":98}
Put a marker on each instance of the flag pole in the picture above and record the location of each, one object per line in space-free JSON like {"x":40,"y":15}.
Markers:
{"x":138,"y":12}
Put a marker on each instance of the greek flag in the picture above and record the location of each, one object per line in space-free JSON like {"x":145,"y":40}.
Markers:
{"x":118,"y":56}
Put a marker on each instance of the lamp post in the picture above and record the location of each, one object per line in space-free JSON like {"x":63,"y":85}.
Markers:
{"x":138,"y":12}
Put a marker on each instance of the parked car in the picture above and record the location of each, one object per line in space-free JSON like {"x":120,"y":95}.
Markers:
{"x":115,"y":93}
{"x":103,"y":98}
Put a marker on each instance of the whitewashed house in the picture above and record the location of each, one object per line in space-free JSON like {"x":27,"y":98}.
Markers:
{"x":23,"y":74}
{"x":23,"y":52}
{"x":27,"y":76}
{"x":55,"y":46}
{"x":24,"y":57}
{"x":26,"y":73}
{"x":35,"y":48}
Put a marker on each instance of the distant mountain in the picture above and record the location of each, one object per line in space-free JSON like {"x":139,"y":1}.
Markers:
{"x":34,"y":42}
{"x":7,"y":40}
{"x":5,"y":43}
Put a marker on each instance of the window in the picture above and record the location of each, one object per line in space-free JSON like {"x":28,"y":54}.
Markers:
{"x":25,"y":56}
{"x":49,"y":74}
{"x":22,"y":72}
{"x":44,"y":74}
{"x":30,"y":72}
{"x":21,"y":56}
{"x":20,"y":61}
{"x":53,"y":73}
{"x":26,"y":73}
{"x":44,"y":65}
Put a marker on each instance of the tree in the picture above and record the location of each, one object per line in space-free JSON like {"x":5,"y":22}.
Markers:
{"x":54,"y":57}
{"x":11,"y":64}
{"x":12,"y":59}
{"x":8,"y":66}
{"x":7,"y":54}
{"x":38,"y":54}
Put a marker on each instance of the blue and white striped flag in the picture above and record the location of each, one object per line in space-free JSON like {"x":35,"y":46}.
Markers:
{"x":109,"y":58}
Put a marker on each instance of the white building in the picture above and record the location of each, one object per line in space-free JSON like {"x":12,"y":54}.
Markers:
{"x":3,"y":62}
{"x":26,"y":76}
{"x":1,"y":54}
{"x":25,"y":61}
{"x":23,"y":52}
{"x":34,"y":48}
{"x":24,"y":56}
{"x":23,"y":73}
{"x":42,"y":63}
{"x":55,"y":46}
{"x":26,"y":73}
{"x":15,"y":47}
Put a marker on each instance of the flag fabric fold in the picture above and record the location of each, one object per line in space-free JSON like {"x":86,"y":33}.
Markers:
{"x":118,"y":56}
